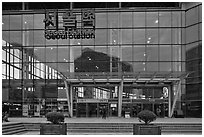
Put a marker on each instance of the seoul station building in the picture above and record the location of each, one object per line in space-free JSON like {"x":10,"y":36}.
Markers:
{"x":79,"y":58}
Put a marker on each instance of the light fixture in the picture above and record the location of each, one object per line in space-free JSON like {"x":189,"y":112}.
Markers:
{"x":148,"y":41}
{"x":79,"y":43}
{"x":97,"y":67}
{"x":149,"y":38}
{"x":143,"y":63}
{"x":25,"y":22}
{"x":156,"y":21}
{"x":144,"y":54}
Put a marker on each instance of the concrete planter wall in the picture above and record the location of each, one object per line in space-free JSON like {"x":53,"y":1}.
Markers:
{"x":53,"y":129}
{"x":142,"y":129}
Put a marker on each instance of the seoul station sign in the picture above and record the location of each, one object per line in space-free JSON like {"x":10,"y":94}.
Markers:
{"x":70,"y":25}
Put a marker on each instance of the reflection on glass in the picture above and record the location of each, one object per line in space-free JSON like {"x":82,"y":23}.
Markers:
{"x":39,"y":53}
{"x":139,"y":53}
{"x":152,"y":19}
{"x":152,"y":36}
{"x":101,"y":36}
{"x":139,"y":66}
{"x":16,"y":38}
{"x":39,"y":38}
{"x":145,"y":93}
{"x":126,"y":53}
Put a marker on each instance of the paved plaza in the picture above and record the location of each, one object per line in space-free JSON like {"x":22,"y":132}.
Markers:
{"x":107,"y":120}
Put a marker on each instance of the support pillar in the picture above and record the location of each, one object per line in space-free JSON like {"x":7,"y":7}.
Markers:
{"x":68,"y":97}
{"x":71,"y":101}
{"x":178,"y":91}
{"x":169,"y":101}
{"x":120,"y":99}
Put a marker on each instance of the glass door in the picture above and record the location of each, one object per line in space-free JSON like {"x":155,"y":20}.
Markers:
{"x":92,"y":109}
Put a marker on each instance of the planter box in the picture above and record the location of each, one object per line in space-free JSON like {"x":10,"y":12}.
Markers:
{"x":142,"y":129}
{"x":53,"y":129}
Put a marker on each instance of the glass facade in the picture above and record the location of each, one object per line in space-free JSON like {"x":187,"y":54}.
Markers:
{"x":126,"y":41}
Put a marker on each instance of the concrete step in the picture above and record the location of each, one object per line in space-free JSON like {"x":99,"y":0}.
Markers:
{"x":12,"y":128}
{"x":128,"y":127}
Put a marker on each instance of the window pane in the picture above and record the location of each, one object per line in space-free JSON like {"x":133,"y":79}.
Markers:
{"x":165,"y":52}
{"x":176,"y":19}
{"x":139,"y":36}
{"x":101,"y":20}
{"x":139,"y":53}
{"x":103,"y":50}
{"x":63,"y":54}
{"x":16,"y":38}
{"x":39,"y":38}
{"x":165,"y":66}
{"x":152,"y":66}
{"x":176,"y":36}
{"x":40,"y":53}
{"x":192,"y":16}
{"x":113,"y":20}
{"x":38,"y":21}
{"x":126,"y":53}
{"x":152,"y":53}
{"x":176,"y":66}
{"x":51,"y":54}
{"x":126,"y":36}
{"x":165,"y":19}
{"x":101,"y":37}
{"x":165,"y":36}
{"x":15,"y":22}
{"x":138,"y":66}
{"x":139,"y":19}
{"x":5,"y":22}
{"x":152,"y":19}
{"x":176,"y":52}
{"x":126,"y":19}
{"x":192,"y":34}
{"x":152,"y":36}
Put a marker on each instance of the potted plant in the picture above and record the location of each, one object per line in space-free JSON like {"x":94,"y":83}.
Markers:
{"x":57,"y":125}
{"x":146,"y":117}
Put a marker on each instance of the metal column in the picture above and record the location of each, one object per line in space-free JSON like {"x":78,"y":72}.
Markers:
{"x":120,"y":98}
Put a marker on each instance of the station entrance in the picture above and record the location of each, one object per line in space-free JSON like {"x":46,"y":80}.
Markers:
{"x":90,"y":101}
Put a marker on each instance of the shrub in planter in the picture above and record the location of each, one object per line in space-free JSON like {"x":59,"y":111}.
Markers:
{"x":147,"y":117}
{"x":57,"y":125}
{"x":55,"y":117}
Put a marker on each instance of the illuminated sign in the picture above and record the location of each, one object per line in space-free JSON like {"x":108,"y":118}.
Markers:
{"x":92,"y":100}
{"x":70,"y":25}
